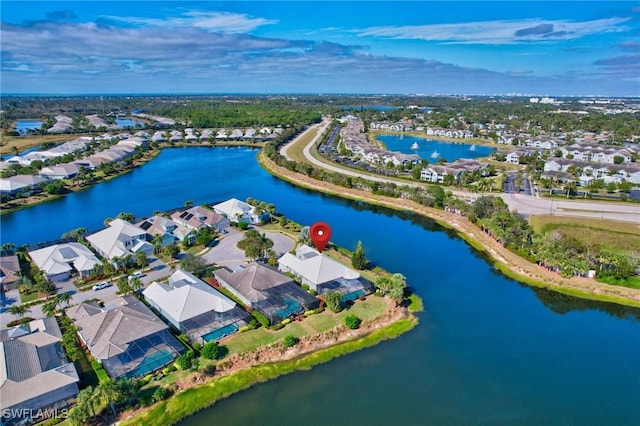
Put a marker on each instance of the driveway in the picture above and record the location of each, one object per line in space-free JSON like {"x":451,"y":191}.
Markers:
{"x":227,"y":253}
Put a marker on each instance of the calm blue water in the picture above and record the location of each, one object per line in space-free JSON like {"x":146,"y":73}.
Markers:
{"x":23,"y":125}
{"x":125,"y":122}
{"x":432,"y":150}
{"x":487,"y":351}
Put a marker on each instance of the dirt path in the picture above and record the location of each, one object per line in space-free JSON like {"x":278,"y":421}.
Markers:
{"x":518,"y":265}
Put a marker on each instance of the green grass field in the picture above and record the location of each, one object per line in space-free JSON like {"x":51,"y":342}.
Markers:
{"x":314,"y":324}
{"x":615,"y":235}
{"x":295,"y":150}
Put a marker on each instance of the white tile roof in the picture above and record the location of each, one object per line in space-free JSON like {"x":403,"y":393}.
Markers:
{"x":56,"y":259}
{"x":186,"y":297}
{"x":315,"y":267}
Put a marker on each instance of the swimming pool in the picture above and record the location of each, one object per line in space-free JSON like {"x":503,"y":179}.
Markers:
{"x":220,"y":332}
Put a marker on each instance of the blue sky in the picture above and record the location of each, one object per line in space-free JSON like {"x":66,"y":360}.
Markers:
{"x":447,"y":47}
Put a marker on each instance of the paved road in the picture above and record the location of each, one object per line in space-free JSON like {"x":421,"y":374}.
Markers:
{"x":524,"y":204}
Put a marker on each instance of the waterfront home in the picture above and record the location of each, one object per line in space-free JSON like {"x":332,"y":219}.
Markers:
{"x":170,"y":232}
{"x":34,"y":371}
{"x":237,"y":211}
{"x":323,"y":274}
{"x":206,"y":135}
{"x":59,"y":261}
{"x":21,"y":184}
{"x":126,"y":337}
{"x":175,"y":136}
{"x":270,"y":292}
{"x":9,"y":272}
{"x":60,"y":171}
{"x":63,"y":124}
{"x":121,"y":240}
{"x":195,"y":308}
{"x":198,"y":217}
{"x":159,"y":136}
{"x":190,"y":136}
{"x":455,"y":169}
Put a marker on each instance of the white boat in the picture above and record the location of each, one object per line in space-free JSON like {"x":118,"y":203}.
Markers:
{"x":435,"y":154}
{"x":472,"y":148}
{"x":415,"y":146}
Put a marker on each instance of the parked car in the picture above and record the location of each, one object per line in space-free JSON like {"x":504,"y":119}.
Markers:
{"x":137,"y":274}
{"x":101,"y":285}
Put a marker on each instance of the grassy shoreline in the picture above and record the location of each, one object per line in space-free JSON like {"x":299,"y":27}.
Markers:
{"x":470,"y":238}
{"x":197,"y":398}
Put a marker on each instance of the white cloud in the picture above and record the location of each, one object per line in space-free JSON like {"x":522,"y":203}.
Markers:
{"x":498,"y":32}
{"x":225,"y":22}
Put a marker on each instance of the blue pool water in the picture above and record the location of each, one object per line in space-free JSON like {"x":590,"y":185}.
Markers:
{"x":291,"y":307}
{"x":151,"y":363}
{"x":220,"y":333}
{"x":353,"y":295}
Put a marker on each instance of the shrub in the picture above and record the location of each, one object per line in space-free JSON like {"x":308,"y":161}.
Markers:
{"x":183,"y":362}
{"x":261,"y":318}
{"x":285,"y":321}
{"x":213,"y":350}
{"x":168,"y":369}
{"x":243,"y":225}
{"x":290,"y":341}
{"x":184,"y":338}
{"x":20,"y":321}
{"x":352,"y":321}
{"x":160,"y":394}
{"x":244,"y":328}
{"x":305,"y":287}
{"x":253,"y":323}
{"x":277,"y":326}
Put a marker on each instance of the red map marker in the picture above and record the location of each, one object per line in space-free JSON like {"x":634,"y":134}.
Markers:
{"x":320,"y":233}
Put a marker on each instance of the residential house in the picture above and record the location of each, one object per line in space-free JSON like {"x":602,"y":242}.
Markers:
{"x":60,"y":171}
{"x":169,"y":231}
{"x":195,"y":308}
{"x":159,"y":136}
{"x":121,"y":240}
{"x":272,"y":293}
{"x":9,"y":272}
{"x":34,"y":371}
{"x":206,"y":135}
{"x":21,"y":184}
{"x":324,"y":274}
{"x":175,"y":136}
{"x":237,"y":211}
{"x":59,"y":261}
{"x":199,"y":216}
{"x":126,"y":337}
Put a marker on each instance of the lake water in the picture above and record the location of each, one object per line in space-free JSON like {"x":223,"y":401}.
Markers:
{"x":126,"y":122}
{"x":432,"y":150}
{"x":487,"y":350}
{"x":22,"y":126}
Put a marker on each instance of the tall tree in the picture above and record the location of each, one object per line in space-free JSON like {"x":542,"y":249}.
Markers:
{"x":358,"y":258}
{"x":50,"y":308}
{"x":19,"y":310}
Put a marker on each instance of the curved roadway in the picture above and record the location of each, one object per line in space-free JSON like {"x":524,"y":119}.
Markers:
{"x":524,"y":204}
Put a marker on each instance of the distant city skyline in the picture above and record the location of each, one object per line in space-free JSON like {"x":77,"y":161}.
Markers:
{"x":535,"y":48}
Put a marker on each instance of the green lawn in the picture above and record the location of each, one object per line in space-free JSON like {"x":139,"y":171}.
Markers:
{"x":611,"y":234}
{"x":295,"y":150}
{"x":371,"y":307}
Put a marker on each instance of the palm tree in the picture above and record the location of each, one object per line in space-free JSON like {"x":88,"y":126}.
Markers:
{"x":64,"y":298}
{"x":19,"y":310}
{"x":49,"y":308}
{"x":136,"y":284}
